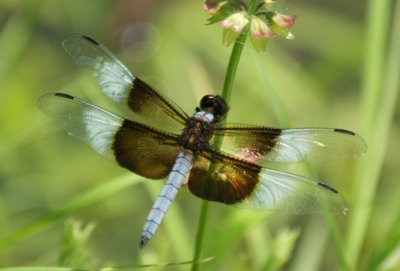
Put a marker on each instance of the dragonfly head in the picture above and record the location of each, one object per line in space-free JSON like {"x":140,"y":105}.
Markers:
{"x":215,"y":105}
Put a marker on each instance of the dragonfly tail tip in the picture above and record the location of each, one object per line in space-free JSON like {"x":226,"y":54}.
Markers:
{"x":143,"y":241}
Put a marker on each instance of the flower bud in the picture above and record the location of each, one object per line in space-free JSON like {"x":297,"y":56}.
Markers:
{"x":282,"y":20}
{"x":259,"y":29}
{"x":233,"y":25}
{"x":268,"y":4}
{"x":213,"y":6}
{"x":259,"y":33}
{"x":235,"y":22}
{"x":281,"y":24}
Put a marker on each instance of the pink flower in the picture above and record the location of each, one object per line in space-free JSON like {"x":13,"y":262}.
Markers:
{"x":281,"y":24}
{"x":235,"y":22}
{"x":259,"y":29}
{"x":233,"y":25}
{"x":282,"y":20}
{"x":265,"y":23}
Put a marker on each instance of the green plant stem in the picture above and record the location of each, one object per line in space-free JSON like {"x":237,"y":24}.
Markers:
{"x":235,"y":57}
{"x":380,"y":89}
{"x":200,"y":233}
{"x":226,"y":95}
{"x":233,"y":64}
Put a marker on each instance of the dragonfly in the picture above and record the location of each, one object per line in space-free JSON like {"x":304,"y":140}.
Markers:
{"x":216,"y":161}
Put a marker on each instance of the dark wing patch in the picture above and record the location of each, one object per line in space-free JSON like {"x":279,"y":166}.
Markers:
{"x":145,"y":151}
{"x":221,"y":178}
{"x":161,"y":111}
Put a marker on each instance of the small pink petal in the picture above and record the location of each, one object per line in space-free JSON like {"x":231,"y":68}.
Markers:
{"x":285,"y":20}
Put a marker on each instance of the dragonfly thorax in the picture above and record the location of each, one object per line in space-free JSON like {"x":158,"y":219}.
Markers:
{"x":203,"y":116}
{"x":196,"y":135}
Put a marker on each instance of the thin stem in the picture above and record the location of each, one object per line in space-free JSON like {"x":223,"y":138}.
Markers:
{"x":235,"y":56}
{"x":200,"y":234}
{"x":233,"y":64}
{"x":226,"y":95}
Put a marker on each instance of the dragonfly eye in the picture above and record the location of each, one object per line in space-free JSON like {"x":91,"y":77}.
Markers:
{"x":215,"y":105}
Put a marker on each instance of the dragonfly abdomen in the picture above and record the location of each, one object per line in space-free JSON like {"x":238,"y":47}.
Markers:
{"x":175,"y":180}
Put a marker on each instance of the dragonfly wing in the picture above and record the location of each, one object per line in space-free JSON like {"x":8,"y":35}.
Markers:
{"x":263,"y":145}
{"x":141,"y":149}
{"x":230,"y":180}
{"x":117,"y":83}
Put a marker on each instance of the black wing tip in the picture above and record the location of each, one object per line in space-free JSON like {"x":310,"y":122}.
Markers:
{"x":362,"y":143}
{"x":343,"y":131}
{"x":89,"y":39}
{"x":73,"y":38}
{"x":336,"y":207}
{"x":63,"y":95}
{"x":324,"y":185}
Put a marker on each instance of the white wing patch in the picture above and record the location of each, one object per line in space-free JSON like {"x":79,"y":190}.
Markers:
{"x":100,"y":130}
{"x":113,"y":77}
{"x":114,"y":82}
{"x":88,"y":123}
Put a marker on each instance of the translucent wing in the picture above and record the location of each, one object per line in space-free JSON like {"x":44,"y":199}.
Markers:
{"x":141,"y":149}
{"x":118,"y":84}
{"x":229,"y":180}
{"x":277,"y":190}
{"x":263,"y":145}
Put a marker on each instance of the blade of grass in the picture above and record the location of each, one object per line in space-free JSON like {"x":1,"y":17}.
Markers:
{"x":381,"y":86}
{"x":311,"y":247}
{"x":79,"y":202}
{"x":12,"y":45}
{"x":392,"y":82}
{"x":38,"y":268}
{"x":337,"y":239}
{"x":153,"y":266}
{"x":388,"y":245}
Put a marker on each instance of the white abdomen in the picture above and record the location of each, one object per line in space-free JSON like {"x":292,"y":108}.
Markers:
{"x":180,"y":170}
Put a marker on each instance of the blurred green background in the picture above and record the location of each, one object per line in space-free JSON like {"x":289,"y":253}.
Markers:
{"x":335,"y":73}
